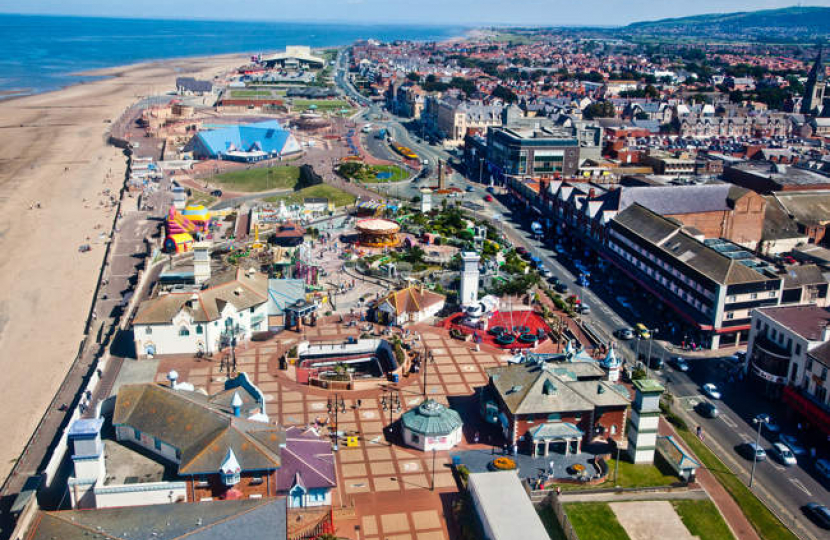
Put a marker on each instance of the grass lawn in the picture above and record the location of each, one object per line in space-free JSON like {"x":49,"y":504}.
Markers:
{"x":766,"y":524}
{"x":322,"y":104}
{"x":251,"y":94}
{"x":260,"y":179}
{"x":703,"y":520}
{"x":337,"y":196}
{"x":200,"y":197}
{"x":595,"y":521}
{"x":550,"y":522}
{"x":630,"y":475}
{"x":368,"y":174}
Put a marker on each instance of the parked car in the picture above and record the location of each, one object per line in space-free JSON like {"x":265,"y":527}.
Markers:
{"x":783,"y":454}
{"x":711,"y":390}
{"x":706,"y":409}
{"x":547,"y":272}
{"x":216,"y":193}
{"x":750,"y":450}
{"x":792,"y":443}
{"x":491,"y":190}
{"x":561,"y":287}
{"x":819,"y":513}
{"x":823,"y":468}
{"x":680,"y":364}
{"x":655,"y":363}
{"x":553,"y":280}
{"x":625,"y":333}
{"x":642,"y":331}
{"x":584,"y":309}
{"x":522,"y":251}
{"x":469,"y":189}
{"x":488,"y":198}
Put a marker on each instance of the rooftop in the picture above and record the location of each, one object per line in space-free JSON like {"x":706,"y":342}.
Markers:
{"x":805,"y":321}
{"x":502,"y":502}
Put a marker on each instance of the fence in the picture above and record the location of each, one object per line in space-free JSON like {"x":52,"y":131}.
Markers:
{"x":562,"y":516}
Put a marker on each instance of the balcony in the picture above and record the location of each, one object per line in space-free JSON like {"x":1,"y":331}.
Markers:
{"x":772,"y":348}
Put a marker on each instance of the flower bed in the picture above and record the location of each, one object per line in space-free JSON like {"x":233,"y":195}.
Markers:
{"x":504,"y":464}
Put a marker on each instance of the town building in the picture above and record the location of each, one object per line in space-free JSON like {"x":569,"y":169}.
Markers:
{"x":294,"y":57}
{"x":815,"y":88}
{"x":664,"y":163}
{"x":535,"y":152}
{"x":216,"y":520}
{"x":245,"y":142}
{"x":503,"y":507}
{"x":431,"y":426}
{"x":450,"y":118}
{"x":789,"y":359}
{"x":409,"y":305}
{"x":703,"y":286}
{"x":554,"y":406}
{"x":767,"y":177}
{"x":227,"y":309}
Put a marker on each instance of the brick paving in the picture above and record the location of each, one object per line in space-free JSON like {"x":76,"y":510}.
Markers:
{"x":386,"y":484}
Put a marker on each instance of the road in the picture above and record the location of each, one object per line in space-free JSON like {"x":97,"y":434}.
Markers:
{"x":784,"y":490}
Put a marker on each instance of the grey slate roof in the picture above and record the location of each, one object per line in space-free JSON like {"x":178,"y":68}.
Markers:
{"x":240,"y":288}
{"x":203,"y":434}
{"x":675,"y":200}
{"x":529,"y":389}
{"x":214,"y":520}
{"x":668,"y":236}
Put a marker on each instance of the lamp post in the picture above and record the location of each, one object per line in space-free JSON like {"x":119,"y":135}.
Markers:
{"x":392,"y":401}
{"x":651,"y":333}
{"x":335,"y":404}
{"x":427,"y":360}
{"x":432,"y":483}
{"x":760,"y":420}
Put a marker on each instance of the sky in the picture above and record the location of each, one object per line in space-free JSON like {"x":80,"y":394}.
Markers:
{"x":442,"y":12}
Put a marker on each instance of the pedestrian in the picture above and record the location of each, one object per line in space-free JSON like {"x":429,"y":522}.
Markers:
{"x":698,"y":431}
{"x":359,"y":403}
{"x":475,"y":437}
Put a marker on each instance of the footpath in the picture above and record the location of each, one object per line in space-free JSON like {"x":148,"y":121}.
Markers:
{"x":730,"y":510}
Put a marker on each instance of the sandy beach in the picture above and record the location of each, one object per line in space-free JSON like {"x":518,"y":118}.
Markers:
{"x":54,"y":165}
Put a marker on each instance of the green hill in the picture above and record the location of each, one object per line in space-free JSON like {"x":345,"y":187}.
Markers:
{"x":797,"y":23}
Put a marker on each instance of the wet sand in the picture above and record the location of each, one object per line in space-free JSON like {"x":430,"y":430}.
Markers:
{"x":53,"y":152}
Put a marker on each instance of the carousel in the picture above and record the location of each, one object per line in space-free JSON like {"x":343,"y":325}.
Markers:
{"x":378,"y":233}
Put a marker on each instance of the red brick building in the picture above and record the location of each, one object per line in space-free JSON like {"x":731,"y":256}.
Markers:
{"x":554,"y":406}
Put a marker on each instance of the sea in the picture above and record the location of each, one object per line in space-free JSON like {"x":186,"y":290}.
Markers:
{"x":44,"y":53}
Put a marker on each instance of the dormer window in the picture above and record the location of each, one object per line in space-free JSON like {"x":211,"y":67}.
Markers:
{"x":230,"y":469}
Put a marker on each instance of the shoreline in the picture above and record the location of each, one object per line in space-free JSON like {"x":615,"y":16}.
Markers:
{"x":112,"y":71}
{"x":57,"y":170}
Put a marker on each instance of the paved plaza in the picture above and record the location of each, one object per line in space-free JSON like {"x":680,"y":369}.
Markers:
{"x":384,"y":488}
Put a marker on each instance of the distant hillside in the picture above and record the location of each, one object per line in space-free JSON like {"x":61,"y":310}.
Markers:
{"x":797,"y":23}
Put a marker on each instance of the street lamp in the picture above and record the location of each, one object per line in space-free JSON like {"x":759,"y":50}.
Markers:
{"x":760,"y":420}
{"x":335,"y":404}
{"x":651,"y":333}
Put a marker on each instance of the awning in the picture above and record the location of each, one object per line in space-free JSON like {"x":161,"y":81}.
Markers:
{"x":803,"y":405}
{"x":557,"y":431}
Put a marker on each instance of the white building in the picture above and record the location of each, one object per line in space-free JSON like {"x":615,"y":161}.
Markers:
{"x":412,"y":304}
{"x":468,"y":294}
{"x":431,"y":426}
{"x":232,"y":306}
{"x":503,"y":507}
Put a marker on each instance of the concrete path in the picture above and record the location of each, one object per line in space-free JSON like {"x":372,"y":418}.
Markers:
{"x":620,"y":496}
{"x":650,"y":520}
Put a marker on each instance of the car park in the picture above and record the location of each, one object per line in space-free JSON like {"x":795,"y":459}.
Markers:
{"x":792,"y":443}
{"x":750,"y":450}
{"x":680,"y":364}
{"x":706,"y":409}
{"x":711,"y":390}
{"x":782,"y":454}
{"x":819,"y":513}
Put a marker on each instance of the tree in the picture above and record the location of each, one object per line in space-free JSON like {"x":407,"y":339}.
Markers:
{"x":505,"y":94}
{"x":599,"y":109}
{"x":412,"y":76}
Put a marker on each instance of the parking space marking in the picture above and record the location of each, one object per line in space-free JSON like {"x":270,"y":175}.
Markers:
{"x":797,"y":483}
{"x":728,"y":421}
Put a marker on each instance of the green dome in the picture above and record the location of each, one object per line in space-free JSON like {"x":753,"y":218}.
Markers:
{"x":431,"y":419}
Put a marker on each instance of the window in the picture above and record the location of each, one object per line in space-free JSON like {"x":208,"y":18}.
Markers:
{"x":772,"y":294}
{"x":823,"y":374}
{"x":753,"y":296}
{"x":178,"y":454}
{"x":730,"y":299}
{"x":157,"y":443}
{"x":149,"y":331}
{"x":137,"y":434}
{"x":794,"y":372}
{"x":758,"y":324}
{"x":255,"y":480}
{"x":730,"y":315}
{"x":199,"y":329}
{"x":797,"y":349}
{"x":554,"y":417}
{"x":183,"y":331}
{"x":415,"y":438}
{"x":809,"y":366}
{"x":202,"y":481}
